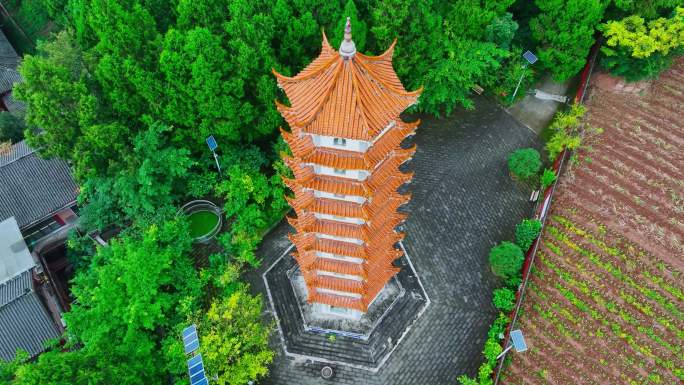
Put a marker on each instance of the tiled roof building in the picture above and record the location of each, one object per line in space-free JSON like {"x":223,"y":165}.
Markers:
{"x":345,"y":140}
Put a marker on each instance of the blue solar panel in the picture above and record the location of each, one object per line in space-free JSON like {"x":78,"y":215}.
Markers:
{"x":518,"y":341}
{"x":196,"y":369}
{"x":197,"y":378}
{"x":191,"y":346}
{"x":530,"y":57}
{"x":211,"y":142}
{"x":189,"y":330}
{"x":203,"y":381}
{"x":195,"y":360}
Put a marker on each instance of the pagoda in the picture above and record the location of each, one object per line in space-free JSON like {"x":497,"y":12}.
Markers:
{"x":345,"y":140}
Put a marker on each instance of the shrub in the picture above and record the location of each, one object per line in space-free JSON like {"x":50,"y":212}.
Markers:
{"x":504,"y":299}
{"x":638,"y":50}
{"x":547,"y":178}
{"x":526,"y":232}
{"x":524,"y":163}
{"x":565,"y":131}
{"x":506,"y":259}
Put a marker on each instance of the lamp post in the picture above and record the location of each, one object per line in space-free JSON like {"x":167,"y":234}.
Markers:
{"x":211,"y":143}
{"x":531,"y":59}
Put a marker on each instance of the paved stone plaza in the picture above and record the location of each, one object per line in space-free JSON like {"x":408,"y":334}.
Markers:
{"x":463,"y":203}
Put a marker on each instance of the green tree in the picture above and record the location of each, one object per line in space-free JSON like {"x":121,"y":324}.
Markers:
{"x":234,"y":342}
{"x":526,"y":232}
{"x":218,"y":73}
{"x":11,"y":127}
{"x":253,"y":201}
{"x":441,"y":47}
{"x":649,"y":9}
{"x":565,"y":32}
{"x":638,"y":50}
{"x":501,"y":30}
{"x":57,"y":96}
{"x":506,"y":260}
{"x":154,"y":178}
{"x":524,"y":163}
{"x":134,"y":293}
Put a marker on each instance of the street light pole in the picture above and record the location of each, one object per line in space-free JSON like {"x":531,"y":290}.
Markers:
{"x":519,"y":81}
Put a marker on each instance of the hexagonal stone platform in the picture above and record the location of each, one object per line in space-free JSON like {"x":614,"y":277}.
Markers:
{"x":364,"y":343}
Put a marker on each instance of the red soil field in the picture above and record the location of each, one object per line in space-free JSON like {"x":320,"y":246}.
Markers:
{"x":605,"y":304}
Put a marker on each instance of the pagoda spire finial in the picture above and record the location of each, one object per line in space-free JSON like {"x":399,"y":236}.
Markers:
{"x":347,"y":48}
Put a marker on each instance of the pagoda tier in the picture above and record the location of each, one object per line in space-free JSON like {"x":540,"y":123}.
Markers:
{"x":345,"y":137}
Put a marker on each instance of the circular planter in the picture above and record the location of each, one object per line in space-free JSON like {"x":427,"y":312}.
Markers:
{"x":205,"y":219}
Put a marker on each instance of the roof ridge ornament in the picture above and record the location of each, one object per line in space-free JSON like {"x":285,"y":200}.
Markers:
{"x":347,"y":48}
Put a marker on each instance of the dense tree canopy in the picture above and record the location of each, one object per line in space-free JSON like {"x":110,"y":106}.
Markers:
{"x":129,"y":90}
{"x":565,"y":32}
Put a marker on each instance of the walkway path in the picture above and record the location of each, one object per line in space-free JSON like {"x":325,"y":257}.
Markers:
{"x":463,"y":203}
{"x":536,"y":113}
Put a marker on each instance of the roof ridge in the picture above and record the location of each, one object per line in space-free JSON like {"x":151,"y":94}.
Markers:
{"x":15,"y":147}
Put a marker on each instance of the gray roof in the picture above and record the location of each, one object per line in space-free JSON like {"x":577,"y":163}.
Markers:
{"x":25,"y":324}
{"x":33,"y":188}
{"x":14,"y":106}
{"x":15,"y":257}
{"x":15,"y":288}
{"x":8,"y":77}
{"x":8,"y":56}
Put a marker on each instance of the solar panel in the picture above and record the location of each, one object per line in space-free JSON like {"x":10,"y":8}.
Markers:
{"x":530,"y":57}
{"x":196,"y":369}
{"x":211,"y":142}
{"x":197,"y":378}
{"x":191,"y":346}
{"x":203,"y":381}
{"x":195,"y":360}
{"x":190,"y":339}
{"x":518,"y":341}
{"x":189,"y":330}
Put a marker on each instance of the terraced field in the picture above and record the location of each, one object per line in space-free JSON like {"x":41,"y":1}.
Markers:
{"x":606,"y":299}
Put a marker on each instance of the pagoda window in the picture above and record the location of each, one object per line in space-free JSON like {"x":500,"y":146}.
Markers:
{"x":340,"y":142}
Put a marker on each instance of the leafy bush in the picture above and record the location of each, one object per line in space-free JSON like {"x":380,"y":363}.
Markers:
{"x":524,"y":163}
{"x":526,"y":232}
{"x":491,"y":350}
{"x":11,"y":128}
{"x":547,"y":178}
{"x":636,"y":50}
{"x":234,"y":342}
{"x":506,"y":259}
{"x":504,"y":299}
{"x":565,"y":131}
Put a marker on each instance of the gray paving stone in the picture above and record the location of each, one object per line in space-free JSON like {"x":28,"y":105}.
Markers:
{"x":463,"y":203}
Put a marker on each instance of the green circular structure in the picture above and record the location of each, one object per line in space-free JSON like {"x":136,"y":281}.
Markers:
{"x":204,"y":219}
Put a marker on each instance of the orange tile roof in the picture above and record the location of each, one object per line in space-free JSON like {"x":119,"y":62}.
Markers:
{"x":354,"y":99}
